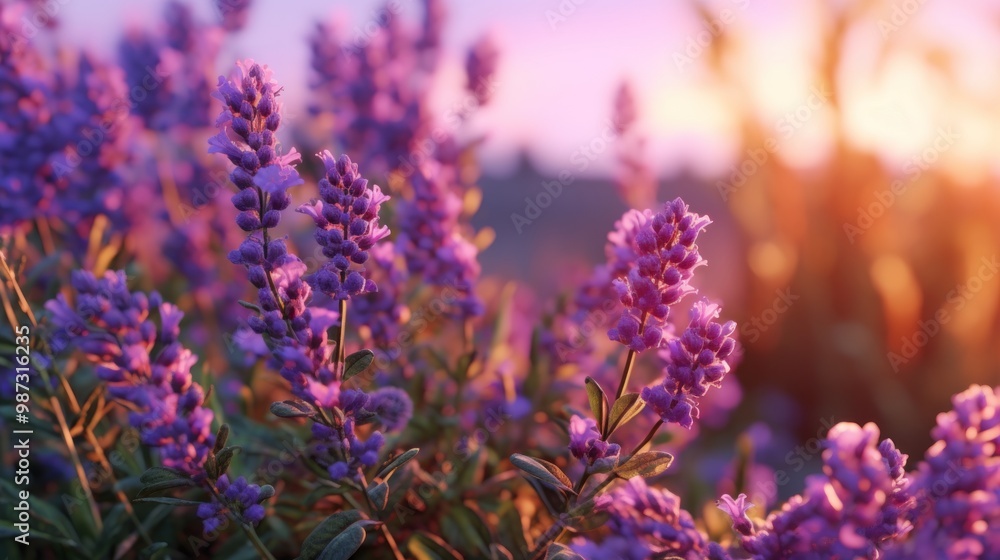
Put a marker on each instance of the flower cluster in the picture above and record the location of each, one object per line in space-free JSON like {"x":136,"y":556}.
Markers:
{"x":648,"y":522}
{"x":695,"y":361}
{"x":431,"y":241}
{"x":586,"y":443}
{"x":238,"y":497}
{"x":858,"y":505}
{"x":234,"y":13}
{"x":480,"y":65}
{"x":113,"y":328}
{"x":957,"y":486}
{"x":634,"y":179}
{"x":660,"y":274}
{"x":248,"y":124}
{"x":392,"y":406}
{"x":347,"y":227}
{"x":165,"y":70}
{"x":63,"y":138}
{"x":374,"y":92}
{"x":346,"y":452}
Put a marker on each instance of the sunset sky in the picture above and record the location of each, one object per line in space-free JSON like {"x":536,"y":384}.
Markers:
{"x":561,"y":62}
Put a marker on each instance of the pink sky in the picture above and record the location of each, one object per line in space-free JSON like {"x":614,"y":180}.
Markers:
{"x":562,"y":60}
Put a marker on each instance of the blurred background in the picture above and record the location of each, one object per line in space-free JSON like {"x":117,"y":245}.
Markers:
{"x":845,"y":150}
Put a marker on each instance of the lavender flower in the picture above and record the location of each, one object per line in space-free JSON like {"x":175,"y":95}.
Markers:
{"x":480,"y":65}
{"x":296,"y":329}
{"x":957,"y":486}
{"x":167,"y":70}
{"x":347,"y":452}
{"x":234,"y":13}
{"x":392,"y":406}
{"x":63,"y":139}
{"x":430,"y":240}
{"x":695,"y":362}
{"x":634,"y":179}
{"x":648,"y":522}
{"x":856,"y":507}
{"x":239,"y":497}
{"x":375,"y":91}
{"x":665,"y":259}
{"x":248,"y":124}
{"x":737,"y":511}
{"x":625,"y":110}
{"x":113,"y":328}
{"x":347,"y":227}
{"x":585,"y":443}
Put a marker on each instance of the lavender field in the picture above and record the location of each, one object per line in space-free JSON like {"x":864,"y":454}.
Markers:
{"x":571,"y":279}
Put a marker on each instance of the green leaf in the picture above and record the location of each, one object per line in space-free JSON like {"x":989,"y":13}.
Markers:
{"x":598,"y":403}
{"x":555,"y":501}
{"x":151,"y":489}
{"x":332,"y":526}
{"x":160,"y":474}
{"x":168,"y":501}
{"x":55,"y":517}
{"x":390,"y":467}
{"x":558,"y":551}
{"x":221,"y":437}
{"x":156,"y":516}
{"x":292,"y":409}
{"x":379,"y":495}
{"x":510,"y":531}
{"x":624,"y":409}
{"x":544,"y":471}
{"x":212,"y":466}
{"x":425,"y":546}
{"x":462,"y":524}
{"x":344,"y":545}
{"x":225,"y":457}
{"x":648,"y":464}
{"x":250,"y":306}
{"x":357,"y":363}
{"x":154,"y":551}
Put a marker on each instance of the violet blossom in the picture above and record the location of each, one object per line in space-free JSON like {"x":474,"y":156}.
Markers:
{"x":347,"y":227}
{"x":586,"y":444}
{"x":957,"y":486}
{"x":695,"y":361}
{"x":144,"y":364}
{"x":660,"y":275}
{"x":854,"y":509}
{"x":647,"y":522}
